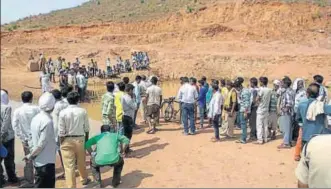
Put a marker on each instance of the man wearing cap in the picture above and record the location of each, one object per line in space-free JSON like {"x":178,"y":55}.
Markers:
{"x":43,"y":145}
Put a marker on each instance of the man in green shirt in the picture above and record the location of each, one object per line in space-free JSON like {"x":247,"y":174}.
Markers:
{"x":107,"y":154}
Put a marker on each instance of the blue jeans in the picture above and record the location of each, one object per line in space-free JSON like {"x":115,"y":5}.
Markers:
{"x":120,"y":129}
{"x":285,"y":124}
{"x":188,"y":114}
{"x":216,"y":120}
{"x":202,"y":114}
{"x":243,"y":125}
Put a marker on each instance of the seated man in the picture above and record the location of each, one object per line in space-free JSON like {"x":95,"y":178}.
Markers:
{"x":106,"y":153}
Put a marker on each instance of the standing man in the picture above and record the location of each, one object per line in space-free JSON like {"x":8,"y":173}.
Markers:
{"x":252,"y":117}
{"x":73,"y":132}
{"x":81,"y":84}
{"x":154,"y":100}
{"x":231,"y":108}
{"x":60,"y":104}
{"x":108,"y":106}
{"x":51,"y":69}
{"x":108,"y":65}
{"x":202,"y":101}
{"x":262,"y":113}
{"x":323,"y":93}
{"x":43,"y":145}
{"x":129,"y":106}
{"x":187,"y":95}
{"x":22,"y":126}
{"x":215,"y":111}
{"x":273,"y":116}
{"x":143,"y":86}
{"x":137,"y":96}
{"x":45,"y":81}
{"x":119,"y":108}
{"x":244,"y":110}
{"x":7,"y":139}
{"x":286,"y":108}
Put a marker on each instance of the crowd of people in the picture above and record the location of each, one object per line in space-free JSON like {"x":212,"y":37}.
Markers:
{"x":58,"y":125}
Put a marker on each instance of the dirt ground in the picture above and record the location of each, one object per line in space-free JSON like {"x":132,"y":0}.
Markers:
{"x":223,"y":40}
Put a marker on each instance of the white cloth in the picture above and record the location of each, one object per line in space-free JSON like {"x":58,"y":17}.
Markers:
{"x":58,"y":107}
{"x":187,"y":93}
{"x":73,"y":121}
{"x":295,"y":84}
{"x":314,"y":109}
{"x":43,"y":146}
{"x":108,"y":63}
{"x":81,"y":81}
{"x":277,"y":82}
{"x":4,"y":98}
{"x":46,"y":102}
{"x":215,"y":105}
{"x":329,"y":117}
{"x":22,"y":120}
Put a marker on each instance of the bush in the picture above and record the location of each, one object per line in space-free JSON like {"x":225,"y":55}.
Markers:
{"x":321,"y":3}
{"x":317,"y":15}
{"x":189,"y":9}
{"x":142,"y":1}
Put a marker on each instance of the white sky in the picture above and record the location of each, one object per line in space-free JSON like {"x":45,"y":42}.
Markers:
{"x":12,"y":10}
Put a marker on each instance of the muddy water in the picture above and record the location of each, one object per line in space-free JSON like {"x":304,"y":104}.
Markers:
{"x":169,"y":89}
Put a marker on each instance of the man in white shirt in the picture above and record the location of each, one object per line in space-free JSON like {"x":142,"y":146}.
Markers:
{"x":73,"y":132}
{"x":22,"y":126}
{"x":188,"y":95}
{"x":215,"y":111}
{"x":108,"y":65}
{"x":60,"y":105}
{"x":262,"y":113}
{"x":153,"y":99}
{"x":81,"y":84}
{"x":43,"y":146}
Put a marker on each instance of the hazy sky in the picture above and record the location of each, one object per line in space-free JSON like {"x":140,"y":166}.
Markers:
{"x":12,"y":10}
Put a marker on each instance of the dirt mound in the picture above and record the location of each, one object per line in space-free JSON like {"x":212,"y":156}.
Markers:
{"x":215,"y":29}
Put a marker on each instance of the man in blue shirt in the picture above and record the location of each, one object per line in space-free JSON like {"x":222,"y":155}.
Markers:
{"x":309,"y":127}
{"x":202,"y":101}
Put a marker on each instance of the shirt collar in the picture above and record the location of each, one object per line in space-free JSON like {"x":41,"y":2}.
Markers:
{"x":73,"y":105}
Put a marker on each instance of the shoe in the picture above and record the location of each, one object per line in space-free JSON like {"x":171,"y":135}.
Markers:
{"x":13,"y":180}
{"x":61,"y":177}
{"x":258,"y":142}
{"x":297,"y":158}
{"x":184,"y":133}
{"x":215,"y":139}
{"x":284,"y":146}
{"x":26,"y":184}
{"x":192,"y":133}
{"x":86,"y":182}
{"x":241,"y":141}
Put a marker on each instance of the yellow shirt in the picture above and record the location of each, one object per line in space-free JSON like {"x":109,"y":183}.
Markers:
{"x":118,"y":105}
{"x":232,"y":97}
{"x":224,"y":92}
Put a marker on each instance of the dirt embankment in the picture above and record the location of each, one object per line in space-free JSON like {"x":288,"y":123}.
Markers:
{"x":221,"y":40}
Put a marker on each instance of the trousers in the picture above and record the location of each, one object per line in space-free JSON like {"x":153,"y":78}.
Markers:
{"x":72,"y":150}
{"x":9,"y":161}
{"x":45,"y":176}
{"x":128,"y":125}
{"x":262,"y":124}
{"x":28,"y":168}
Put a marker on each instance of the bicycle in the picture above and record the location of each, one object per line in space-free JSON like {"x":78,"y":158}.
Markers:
{"x":170,"y":112}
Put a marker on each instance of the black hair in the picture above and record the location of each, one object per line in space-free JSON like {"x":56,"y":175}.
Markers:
{"x":126,"y":80}
{"x":229,"y":83}
{"x":240,"y":80}
{"x":57,"y":94}
{"x":128,"y":87}
{"x":313,"y":90}
{"x":110,"y":86}
{"x":204,"y":78}
{"x":287,"y":81}
{"x":202,"y":82}
{"x":66,"y":90}
{"x":121,"y":86}
{"x":254,"y":81}
{"x":138,"y":77}
{"x":222,"y":82}
{"x":154,"y":80}
{"x":105,"y":128}
{"x":185,"y":79}
{"x":319,"y":79}
{"x":216,"y":82}
{"x":5,"y":91}
{"x":215,"y":87}
{"x":264,"y":80}
{"x":193,"y":80}
{"x":143,"y":77}
{"x":27,"y":96}
{"x":73,"y":98}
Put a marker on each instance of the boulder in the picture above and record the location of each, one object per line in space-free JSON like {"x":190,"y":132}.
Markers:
{"x":32,"y":66}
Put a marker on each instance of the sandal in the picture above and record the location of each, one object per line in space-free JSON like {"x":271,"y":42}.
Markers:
{"x":284,"y":146}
